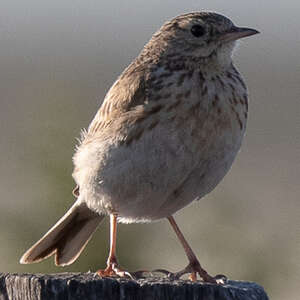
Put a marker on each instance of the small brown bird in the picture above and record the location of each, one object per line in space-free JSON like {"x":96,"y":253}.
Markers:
{"x":165,"y":135}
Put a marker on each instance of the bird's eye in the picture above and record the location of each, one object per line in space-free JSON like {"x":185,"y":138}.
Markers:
{"x":198,"y":30}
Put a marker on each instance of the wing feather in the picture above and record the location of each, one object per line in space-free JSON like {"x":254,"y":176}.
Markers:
{"x":126,"y":93}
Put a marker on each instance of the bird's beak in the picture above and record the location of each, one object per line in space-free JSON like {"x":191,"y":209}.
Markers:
{"x":236,"y":33}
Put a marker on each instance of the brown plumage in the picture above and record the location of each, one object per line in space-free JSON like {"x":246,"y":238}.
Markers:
{"x":166,"y":134}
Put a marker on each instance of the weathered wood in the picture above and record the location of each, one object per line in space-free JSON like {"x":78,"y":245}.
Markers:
{"x":87,"y":286}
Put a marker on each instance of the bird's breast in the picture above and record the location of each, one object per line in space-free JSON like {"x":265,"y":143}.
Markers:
{"x":176,"y":150}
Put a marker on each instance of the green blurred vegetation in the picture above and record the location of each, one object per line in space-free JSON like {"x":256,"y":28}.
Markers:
{"x":58,"y":60}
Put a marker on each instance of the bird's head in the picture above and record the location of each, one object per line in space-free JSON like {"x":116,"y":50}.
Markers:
{"x":202,"y":37}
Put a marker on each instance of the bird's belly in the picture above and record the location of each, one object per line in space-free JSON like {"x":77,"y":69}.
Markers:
{"x":202,"y":180}
{"x":154,"y":177}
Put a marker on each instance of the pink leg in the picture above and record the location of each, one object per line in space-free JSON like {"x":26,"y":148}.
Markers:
{"x":194,"y":266}
{"x":113,"y":268}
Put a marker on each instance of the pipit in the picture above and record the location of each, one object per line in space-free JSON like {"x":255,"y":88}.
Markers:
{"x":165,"y":135}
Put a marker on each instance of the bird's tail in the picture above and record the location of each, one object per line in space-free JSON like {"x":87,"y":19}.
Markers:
{"x":67,"y":238}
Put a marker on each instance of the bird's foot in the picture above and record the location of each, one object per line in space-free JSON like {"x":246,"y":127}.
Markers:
{"x":194,"y":269}
{"x":113,"y":270}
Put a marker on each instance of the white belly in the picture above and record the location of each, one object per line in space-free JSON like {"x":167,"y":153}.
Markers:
{"x":169,"y":166}
{"x":157,"y":175}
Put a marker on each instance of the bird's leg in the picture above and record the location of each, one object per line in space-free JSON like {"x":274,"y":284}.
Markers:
{"x":113,"y":268}
{"x":194,"y":266}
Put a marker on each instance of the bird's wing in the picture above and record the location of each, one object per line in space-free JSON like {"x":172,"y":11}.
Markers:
{"x":126,"y":93}
{"x":125,"y":110}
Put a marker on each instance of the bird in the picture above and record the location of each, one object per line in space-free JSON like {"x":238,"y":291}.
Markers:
{"x":166,"y":133}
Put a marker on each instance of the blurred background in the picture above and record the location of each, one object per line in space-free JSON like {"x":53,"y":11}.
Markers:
{"x":58,"y":59}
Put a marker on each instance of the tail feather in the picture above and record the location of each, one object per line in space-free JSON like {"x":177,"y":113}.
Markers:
{"x":67,"y":238}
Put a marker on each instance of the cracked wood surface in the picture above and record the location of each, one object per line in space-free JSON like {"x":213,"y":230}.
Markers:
{"x":88,"y":286}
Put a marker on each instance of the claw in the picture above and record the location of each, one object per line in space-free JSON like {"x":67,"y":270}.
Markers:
{"x":193,"y":270}
{"x":113,"y":270}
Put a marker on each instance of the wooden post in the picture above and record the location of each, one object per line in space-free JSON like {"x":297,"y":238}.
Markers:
{"x":88,"y":286}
